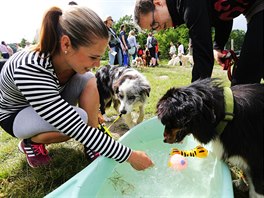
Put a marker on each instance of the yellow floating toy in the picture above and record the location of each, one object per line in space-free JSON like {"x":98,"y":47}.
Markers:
{"x":198,"y":151}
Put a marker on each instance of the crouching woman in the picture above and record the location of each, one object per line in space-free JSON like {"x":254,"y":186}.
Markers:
{"x":41,"y":86}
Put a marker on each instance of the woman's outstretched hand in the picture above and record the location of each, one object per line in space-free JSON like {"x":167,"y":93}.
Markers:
{"x":139,"y":160}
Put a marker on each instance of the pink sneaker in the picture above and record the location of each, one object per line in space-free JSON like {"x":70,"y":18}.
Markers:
{"x":37,"y":155}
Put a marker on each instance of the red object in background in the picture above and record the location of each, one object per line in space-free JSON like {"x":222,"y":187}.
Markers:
{"x":229,"y":60}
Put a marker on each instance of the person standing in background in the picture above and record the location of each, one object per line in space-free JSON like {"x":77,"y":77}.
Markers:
{"x":172,"y":49}
{"x":180,"y":49}
{"x":151,"y":49}
{"x":123,"y":38}
{"x":4,"y":50}
{"x":190,"y":48}
{"x":133,"y":44}
{"x":10,"y":50}
{"x":180,"y":52}
{"x":140,"y":51}
{"x":157,"y":53}
{"x":114,"y":45}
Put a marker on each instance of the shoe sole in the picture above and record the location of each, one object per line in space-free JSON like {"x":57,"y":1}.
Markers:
{"x":20,"y":147}
{"x":22,"y":151}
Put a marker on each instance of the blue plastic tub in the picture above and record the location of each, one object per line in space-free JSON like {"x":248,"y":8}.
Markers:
{"x":204,"y":177}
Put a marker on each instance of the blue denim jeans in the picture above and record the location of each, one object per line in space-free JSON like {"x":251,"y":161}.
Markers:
{"x":112,"y":57}
{"x":126,"y":58}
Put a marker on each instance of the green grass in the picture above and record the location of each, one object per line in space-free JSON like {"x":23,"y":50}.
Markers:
{"x":17,"y":179}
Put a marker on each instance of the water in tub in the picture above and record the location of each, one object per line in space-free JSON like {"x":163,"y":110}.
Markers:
{"x":201,"y":178}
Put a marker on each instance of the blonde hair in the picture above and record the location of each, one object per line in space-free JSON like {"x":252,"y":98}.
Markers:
{"x":131,"y":33}
{"x":81,"y":24}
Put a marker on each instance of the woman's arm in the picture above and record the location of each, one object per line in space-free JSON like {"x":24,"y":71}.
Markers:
{"x":135,"y":41}
{"x":89,"y":101}
{"x":40,"y":89}
{"x":124,"y":40}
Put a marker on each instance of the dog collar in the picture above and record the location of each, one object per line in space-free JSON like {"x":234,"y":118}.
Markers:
{"x":229,"y":110}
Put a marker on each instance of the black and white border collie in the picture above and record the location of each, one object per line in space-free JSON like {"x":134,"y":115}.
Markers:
{"x":126,"y":88}
{"x":198,"y":108}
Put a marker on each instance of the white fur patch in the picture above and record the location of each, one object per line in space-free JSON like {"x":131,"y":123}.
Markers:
{"x":130,"y":91}
{"x":217,"y":149}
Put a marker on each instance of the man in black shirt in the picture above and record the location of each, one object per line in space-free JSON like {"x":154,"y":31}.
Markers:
{"x":200,"y":16}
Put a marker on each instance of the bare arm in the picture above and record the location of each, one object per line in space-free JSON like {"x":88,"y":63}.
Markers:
{"x":89,"y":101}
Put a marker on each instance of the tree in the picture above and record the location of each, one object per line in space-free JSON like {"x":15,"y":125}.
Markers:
{"x":238,"y":37}
{"x":128,"y":21}
{"x":23,"y":42}
{"x":164,"y":37}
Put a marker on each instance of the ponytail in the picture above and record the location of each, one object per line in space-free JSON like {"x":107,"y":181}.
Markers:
{"x":50,"y":32}
{"x":82,"y":25}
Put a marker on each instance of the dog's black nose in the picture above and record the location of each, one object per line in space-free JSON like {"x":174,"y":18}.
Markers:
{"x":123,"y":111}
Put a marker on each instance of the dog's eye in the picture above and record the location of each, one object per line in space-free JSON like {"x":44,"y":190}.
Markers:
{"x":120,"y":96}
{"x":131,"y":98}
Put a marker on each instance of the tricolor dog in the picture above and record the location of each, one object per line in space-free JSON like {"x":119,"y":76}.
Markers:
{"x":230,"y":118}
{"x":126,"y":88}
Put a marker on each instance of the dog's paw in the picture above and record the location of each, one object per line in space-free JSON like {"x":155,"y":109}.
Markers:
{"x":241,"y":185}
{"x":107,"y":119}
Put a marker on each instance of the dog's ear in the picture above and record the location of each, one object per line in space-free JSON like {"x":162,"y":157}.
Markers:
{"x":209,"y":114}
{"x":116,"y":87}
{"x":146,"y":89}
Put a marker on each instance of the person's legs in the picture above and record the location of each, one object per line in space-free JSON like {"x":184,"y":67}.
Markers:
{"x":134,"y":55}
{"x":128,"y":59}
{"x":111,"y":57}
{"x":82,"y":89}
{"x":36,"y":131}
{"x":180,"y":57}
{"x":90,"y":102}
{"x":153,"y":56}
{"x":119,"y":56}
{"x":250,"y":65}
{"x":125,"y":56}
{"x":29,"y":125}
{"x":157,"y":59}
{"x":5,"y":55}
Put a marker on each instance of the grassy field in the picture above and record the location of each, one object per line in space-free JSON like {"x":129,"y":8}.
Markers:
{"x":17,"y":179}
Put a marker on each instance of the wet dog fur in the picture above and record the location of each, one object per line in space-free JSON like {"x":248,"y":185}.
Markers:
{"x":198,"y":108}
{"x":126,"y":88}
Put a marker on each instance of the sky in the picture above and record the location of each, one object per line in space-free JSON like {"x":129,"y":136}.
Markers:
{"x":21,"y":18}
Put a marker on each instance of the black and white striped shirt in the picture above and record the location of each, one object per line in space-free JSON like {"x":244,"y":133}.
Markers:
{"x":28,"y":79}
